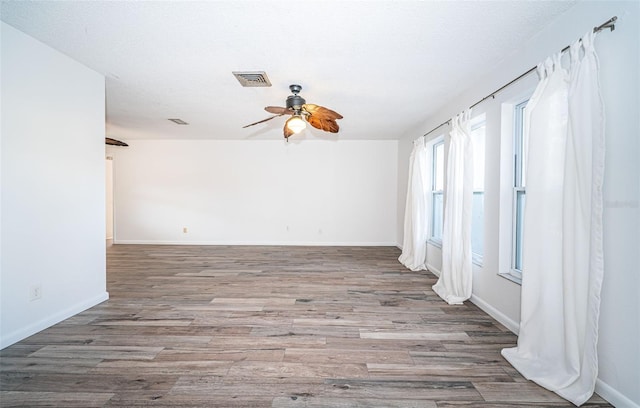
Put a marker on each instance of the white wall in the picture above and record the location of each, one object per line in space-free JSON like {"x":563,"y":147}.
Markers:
{"x":619,"y":347}
{"x":256,"y":192}
{"x":53,"y":198}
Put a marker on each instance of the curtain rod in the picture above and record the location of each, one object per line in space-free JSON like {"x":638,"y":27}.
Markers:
{"x":610,"y":23}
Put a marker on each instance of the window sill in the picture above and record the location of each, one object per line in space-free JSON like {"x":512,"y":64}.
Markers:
{"x":512,"y":277}
{"x":437,"y":244}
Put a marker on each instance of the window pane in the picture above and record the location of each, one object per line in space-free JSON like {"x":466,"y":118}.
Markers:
{"x":520,"y":144}
{"x":477,"y":210}
{"x":477,"y":138}
{"x":437,"y":221}
{"x":438,"y":166}
{"x":519,"y":222}
{"x":437,"y":187}
{"x":477,"y":224}
{"x":519,"y":177}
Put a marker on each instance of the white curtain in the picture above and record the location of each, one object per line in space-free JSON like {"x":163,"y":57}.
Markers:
{"x":416,"y":220}
{"x":454,"y":285}
{"x":563,"y":253}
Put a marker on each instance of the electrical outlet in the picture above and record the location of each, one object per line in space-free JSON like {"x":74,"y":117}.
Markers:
{"x":35,"y":292}
{"x":185,"y":230}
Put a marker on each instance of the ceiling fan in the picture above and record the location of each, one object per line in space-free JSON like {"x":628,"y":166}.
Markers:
{"x":318,"y":116}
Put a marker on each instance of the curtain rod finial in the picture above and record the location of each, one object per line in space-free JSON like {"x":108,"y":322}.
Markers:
{"x":611,"y":24}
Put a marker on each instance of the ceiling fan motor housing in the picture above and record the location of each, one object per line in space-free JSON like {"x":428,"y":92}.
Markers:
{"x":295,"y":102}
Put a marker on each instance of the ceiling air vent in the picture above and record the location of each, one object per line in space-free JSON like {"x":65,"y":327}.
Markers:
{"x":252,"y":79}
{"x":179,"y":121}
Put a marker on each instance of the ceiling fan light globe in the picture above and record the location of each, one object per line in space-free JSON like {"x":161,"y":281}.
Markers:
{"x":296,"y":124}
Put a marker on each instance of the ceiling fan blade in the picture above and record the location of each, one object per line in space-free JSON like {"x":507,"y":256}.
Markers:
{"x":263,"y":120}
{"x":328,"y":125}
{"x":114,"y":142}
{"x":322,"y":118}
{"x":321,"y":110}
{"x":278,"y":110}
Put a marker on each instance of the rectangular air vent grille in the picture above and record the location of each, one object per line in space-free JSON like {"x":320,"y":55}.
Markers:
{"x":252,"y":79}
{"x":179,"y":121}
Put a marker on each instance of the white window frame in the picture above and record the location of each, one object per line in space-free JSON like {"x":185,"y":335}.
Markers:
{"x":510,"y":176}
{"x":518,"y":181}
{"x":432,"y":192}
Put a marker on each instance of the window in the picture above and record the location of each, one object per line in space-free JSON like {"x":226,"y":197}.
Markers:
{"x":519,"y":191}
{"x":437,"y":191}
{"x":512,"y":197}
{"x":477,"y":212}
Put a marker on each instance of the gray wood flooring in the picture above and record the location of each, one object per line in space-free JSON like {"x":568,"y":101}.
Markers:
{"x":225,"y":326}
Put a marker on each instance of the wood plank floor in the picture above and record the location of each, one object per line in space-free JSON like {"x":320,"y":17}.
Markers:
{"x":223,"y":326}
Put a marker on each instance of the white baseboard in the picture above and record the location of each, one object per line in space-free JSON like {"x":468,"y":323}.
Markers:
{"x":33,"y":328}
{"x":613,"y":396}
{"x":433,"y":270}
{"x":496,"y":314}
{"x":253,"y":243}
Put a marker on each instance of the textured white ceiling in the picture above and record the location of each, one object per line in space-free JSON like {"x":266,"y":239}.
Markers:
{"x":384,"y":65}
